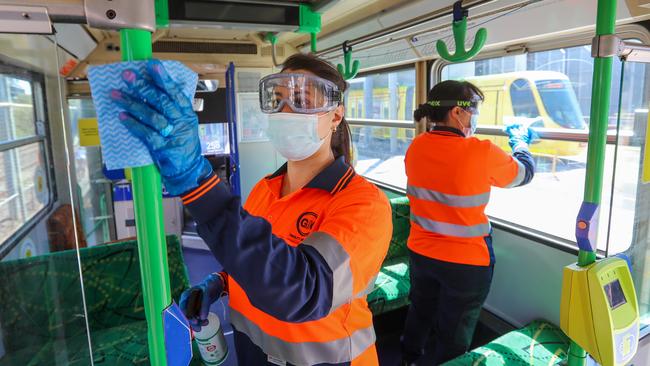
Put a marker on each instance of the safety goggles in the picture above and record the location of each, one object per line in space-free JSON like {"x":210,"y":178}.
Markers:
{"x":468,"y":105}
{"x":303,"y":93}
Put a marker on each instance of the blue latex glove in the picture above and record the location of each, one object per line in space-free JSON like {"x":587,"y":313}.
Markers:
{"x":520,"y":137}
{"x":161,"y":116}
{"x":209,"y":291}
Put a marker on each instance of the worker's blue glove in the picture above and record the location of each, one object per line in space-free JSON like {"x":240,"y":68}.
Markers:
{"x":161,"y":116}
{"x":195,"y":302}
{"x":520,"y":137}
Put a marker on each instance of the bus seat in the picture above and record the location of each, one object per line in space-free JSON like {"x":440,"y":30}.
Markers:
{"x":393,"y":285}
{"x":540,"y":343}
{"x":41,"y":314}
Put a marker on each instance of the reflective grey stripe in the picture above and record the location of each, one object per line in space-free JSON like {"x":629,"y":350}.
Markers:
{"x":339,"y":262}
{"x":370,"y":288}
{"x":444,"y":228}
{"x":521,"y":174}
{"x":305,"y":353}
{"x":448,"y":199}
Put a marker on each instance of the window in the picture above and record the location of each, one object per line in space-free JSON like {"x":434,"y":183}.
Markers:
{"x":377,"y":105}
{"x":24,"y":179}
{"x":552,"y":89}
{"x":380,"y":151}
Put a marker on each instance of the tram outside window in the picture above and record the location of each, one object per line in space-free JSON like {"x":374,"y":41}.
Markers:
{"x":560,"y":101}
{"x":374,"y":98}
{"x":24,"y":184}
{"x":552,"y":89}
{"x":523,"y":100}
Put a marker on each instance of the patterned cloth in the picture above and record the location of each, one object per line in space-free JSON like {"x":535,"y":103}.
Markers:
{"x":120,"y":149}
{"x":392,"y":285}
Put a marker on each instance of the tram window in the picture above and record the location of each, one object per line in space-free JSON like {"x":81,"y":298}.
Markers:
{"x":383,"y":95}
{"x":552,"y":89}
{"x":24,"y":185}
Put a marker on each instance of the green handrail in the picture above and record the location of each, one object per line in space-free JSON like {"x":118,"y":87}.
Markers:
{"x":147,"y":202}
{"x":600,"y":94}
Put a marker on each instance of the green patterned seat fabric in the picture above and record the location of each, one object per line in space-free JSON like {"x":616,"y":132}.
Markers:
{"x":401,"y":228}
{"x":41,"y":312}
{"x":392,"y":285}
{"x":538,"y":344}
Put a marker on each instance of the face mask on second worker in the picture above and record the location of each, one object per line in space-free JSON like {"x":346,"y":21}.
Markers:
{"x":473,"y":123}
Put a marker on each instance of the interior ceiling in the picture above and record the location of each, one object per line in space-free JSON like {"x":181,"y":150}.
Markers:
{"x":342,"y":14}
{"x":334,"y":17}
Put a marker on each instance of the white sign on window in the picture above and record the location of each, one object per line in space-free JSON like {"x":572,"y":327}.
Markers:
{"x":252,"y":122}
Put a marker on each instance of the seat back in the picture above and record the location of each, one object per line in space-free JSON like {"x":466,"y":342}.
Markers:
{"x":40,"y":297}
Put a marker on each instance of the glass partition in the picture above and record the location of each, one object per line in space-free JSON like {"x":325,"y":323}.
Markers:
{"x":43,"y":312}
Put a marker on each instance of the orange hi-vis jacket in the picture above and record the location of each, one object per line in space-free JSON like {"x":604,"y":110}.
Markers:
{"x":300,"y":266}
{"x":449,"y":182}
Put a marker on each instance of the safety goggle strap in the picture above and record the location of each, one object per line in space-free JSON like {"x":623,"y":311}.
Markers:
{"x":453,"y":103}
{"x":336,"y":96}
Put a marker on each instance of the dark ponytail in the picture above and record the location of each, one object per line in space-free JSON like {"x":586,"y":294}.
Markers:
{"x":341,"y":141}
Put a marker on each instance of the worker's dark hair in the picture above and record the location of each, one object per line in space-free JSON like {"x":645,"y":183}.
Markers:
{"x":450,"y":90}
{"x":341,"y":141}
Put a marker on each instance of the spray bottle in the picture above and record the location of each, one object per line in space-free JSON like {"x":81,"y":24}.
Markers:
{"x":210,"y":339}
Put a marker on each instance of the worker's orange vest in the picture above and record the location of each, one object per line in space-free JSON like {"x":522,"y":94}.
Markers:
{"x":346,"y":334}
{"x":449,"y":182}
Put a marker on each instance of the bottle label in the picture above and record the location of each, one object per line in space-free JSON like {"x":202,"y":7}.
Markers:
{"x":214,"y":349}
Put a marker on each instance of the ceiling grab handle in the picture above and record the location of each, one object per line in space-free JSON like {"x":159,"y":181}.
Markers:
{"x":310,"y":23}
{"x":346,"y":71}
{"x":459,"y":27}
{"x":273,"y":39}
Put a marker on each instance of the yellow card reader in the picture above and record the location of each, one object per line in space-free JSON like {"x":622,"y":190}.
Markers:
{"x":599,"y":310}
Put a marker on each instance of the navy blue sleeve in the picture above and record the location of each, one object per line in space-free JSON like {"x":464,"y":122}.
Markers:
{"x":293,"y":284}
{"x":526,"y":159}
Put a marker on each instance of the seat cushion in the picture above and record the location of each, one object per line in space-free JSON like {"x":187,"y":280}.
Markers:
{"x":539,"y":343}
{"x":123,"y":345}
{"x":391,"y":287}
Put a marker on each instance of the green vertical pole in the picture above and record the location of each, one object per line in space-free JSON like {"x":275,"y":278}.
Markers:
{"x":600,"y":94}
{"x":147,"y":202}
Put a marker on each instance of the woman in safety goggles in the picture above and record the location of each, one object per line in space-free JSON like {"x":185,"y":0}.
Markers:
{"x":303,"y":252}
{"x":450,"y":174}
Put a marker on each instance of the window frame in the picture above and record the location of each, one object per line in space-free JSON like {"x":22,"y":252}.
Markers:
{"x":434,"y":71}
{"x":43,"y":137}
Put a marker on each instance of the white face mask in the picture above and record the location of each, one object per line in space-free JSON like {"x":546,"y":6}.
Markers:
{"x":473,"y":123}
{"x":294,"y":135}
